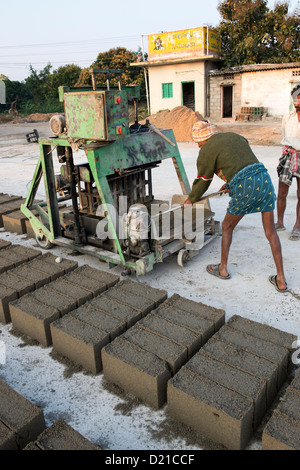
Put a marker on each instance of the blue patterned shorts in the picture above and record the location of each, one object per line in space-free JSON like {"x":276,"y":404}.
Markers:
{"x":251,"y":190}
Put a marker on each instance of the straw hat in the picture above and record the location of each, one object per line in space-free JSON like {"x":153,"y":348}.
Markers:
{"x":202,"y":130}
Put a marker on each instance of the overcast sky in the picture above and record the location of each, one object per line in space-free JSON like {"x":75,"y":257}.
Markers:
{"x":72,"y":31}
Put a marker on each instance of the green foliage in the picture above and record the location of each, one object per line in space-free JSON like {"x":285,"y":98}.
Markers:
{"x":251,"y":33}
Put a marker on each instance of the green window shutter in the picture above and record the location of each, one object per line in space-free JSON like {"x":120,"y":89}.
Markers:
{"x":167,"y":90}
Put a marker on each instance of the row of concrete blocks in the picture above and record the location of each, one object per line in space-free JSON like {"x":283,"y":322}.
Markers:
{"x":214,"y":377}
{"x":22,"y":427}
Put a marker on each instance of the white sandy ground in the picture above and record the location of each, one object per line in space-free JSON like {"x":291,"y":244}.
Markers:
{"x":92,"y":407}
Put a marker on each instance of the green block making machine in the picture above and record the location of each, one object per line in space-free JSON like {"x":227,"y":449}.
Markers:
{"x":105,"y":206}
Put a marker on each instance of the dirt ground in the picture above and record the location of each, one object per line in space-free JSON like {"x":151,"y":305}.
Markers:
{"x":181,"y":120}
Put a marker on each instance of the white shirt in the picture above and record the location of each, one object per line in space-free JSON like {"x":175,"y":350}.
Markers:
{"x":291,"y":131}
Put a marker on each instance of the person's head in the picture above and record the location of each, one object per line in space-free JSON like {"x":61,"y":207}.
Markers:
{"x":296,"y":97}
{"x":202,"y":131}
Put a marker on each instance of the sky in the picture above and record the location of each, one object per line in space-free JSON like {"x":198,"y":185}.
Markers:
{"x":36,"y":33}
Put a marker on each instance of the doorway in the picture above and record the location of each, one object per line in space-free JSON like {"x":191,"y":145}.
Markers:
{"x":227,"y":102}
{"x":188,"y":94}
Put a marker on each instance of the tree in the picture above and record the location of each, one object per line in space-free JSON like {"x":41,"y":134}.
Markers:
{"x":67,"y":75}
{"x":37,"y":83}
{"x":118,"y":58}
{"x":251,"y":33}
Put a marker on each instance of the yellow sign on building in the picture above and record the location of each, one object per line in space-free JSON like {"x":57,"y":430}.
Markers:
{"x":185,"y":43}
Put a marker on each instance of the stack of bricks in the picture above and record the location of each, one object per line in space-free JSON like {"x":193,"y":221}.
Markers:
{"x":143,"y":359}
{"x":34,"y":312}
{"x":282,"y":431}
{"x":225,"y":389}
{"x":9,"y":204}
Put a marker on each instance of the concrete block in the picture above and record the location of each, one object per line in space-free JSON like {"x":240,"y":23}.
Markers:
{"x":21,"y":285}
{"x":210,"y":409}
{"x":198,"y":308}
{"x":5,"y":198}
{"x":7,"y":294}
{"x":61,"y":302}
{"x":8,"y":207}
{"x":247,"y":385}
{"x":133,"y":300}
{"x":101,"y":276}
{"x":199,"y":325}
{"x":4,"y":244}
{"x":262,"y":331}
{"x":24,"y":418}
{"x":172,"y":353}
{"x":92,"y":285}
{"x":7,"y":438}
{"x":123,"y":312}
{"x":98,"y":319}
{"x":275,"y":353}
{"x":33,"y":318}
{"x":79,"y":294}
{"x":151,"y":293}
{"x":246,"y":361}
{"x":18,"y":254}
{"x":14,"y":222}
{"x":137,"y":371}
{"x":177,"y":333}
{"x":79,"y":341}
{"x":281,"y":433}
{"x":61,"y":436}
{"x":47,"y":264}
{"x":38,"y":278}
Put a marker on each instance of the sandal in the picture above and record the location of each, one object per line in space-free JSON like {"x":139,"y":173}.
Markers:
{"x":295,"y":235}
{"x":273,"y":281}
{"x":215,"y":271}
{"x":279,"y":228}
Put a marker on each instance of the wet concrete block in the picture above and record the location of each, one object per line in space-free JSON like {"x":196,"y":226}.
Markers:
{"x":125,"y":313}
{"x":5,"y":198}
{"x":246,"y":361}
{"x":47,"y":264}
{"x":18,"y":254}
{"x":79,"y":294}
{"x":59,"y":301}
{"x":145,"y":305}
{"x":4,"y":244}
{"x":8,"y":207}
{"x":210,"y":409}
{"x":172,"y":353}
{"x":262,"y":331}
{"x":101,"y":276}
{"x":177,"y":333}
{"x":7,"y":438}
{"x":277,"y":354}
{"x":137,"y":371}
{"x":247,"y":385}
{"x":281,"y":433}
{"x":7,"y":294}
{"x":195,"y":323}
{"x":151,"y":293}
{"x":33,"y":318}
{"x":20,"y":284}
{"x":79,"y":341}
{"x":38,"y":278}
{"x":98,"y":319}
{"x":5,"y":265}
{"x":61,"y":436}
{"x":198,"y":308}
{"x":19,"y":415}
{"x":14,"y":222}
{"x":92,"y":285}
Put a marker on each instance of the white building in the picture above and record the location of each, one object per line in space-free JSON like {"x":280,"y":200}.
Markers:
{"x":2,"y":92}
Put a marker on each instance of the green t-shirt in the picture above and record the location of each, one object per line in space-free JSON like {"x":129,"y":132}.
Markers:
{"x":224,"y":154}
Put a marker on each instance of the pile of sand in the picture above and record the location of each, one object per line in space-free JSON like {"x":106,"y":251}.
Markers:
{"x":180,"y":119}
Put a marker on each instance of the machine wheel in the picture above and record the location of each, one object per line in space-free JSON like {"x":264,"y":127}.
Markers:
{"x":183,"y":257}
{"x":43,"y":242}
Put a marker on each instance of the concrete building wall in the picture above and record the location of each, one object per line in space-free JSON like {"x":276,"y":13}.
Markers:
{"x":176,"y":74}
{"x":270,"y":89}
